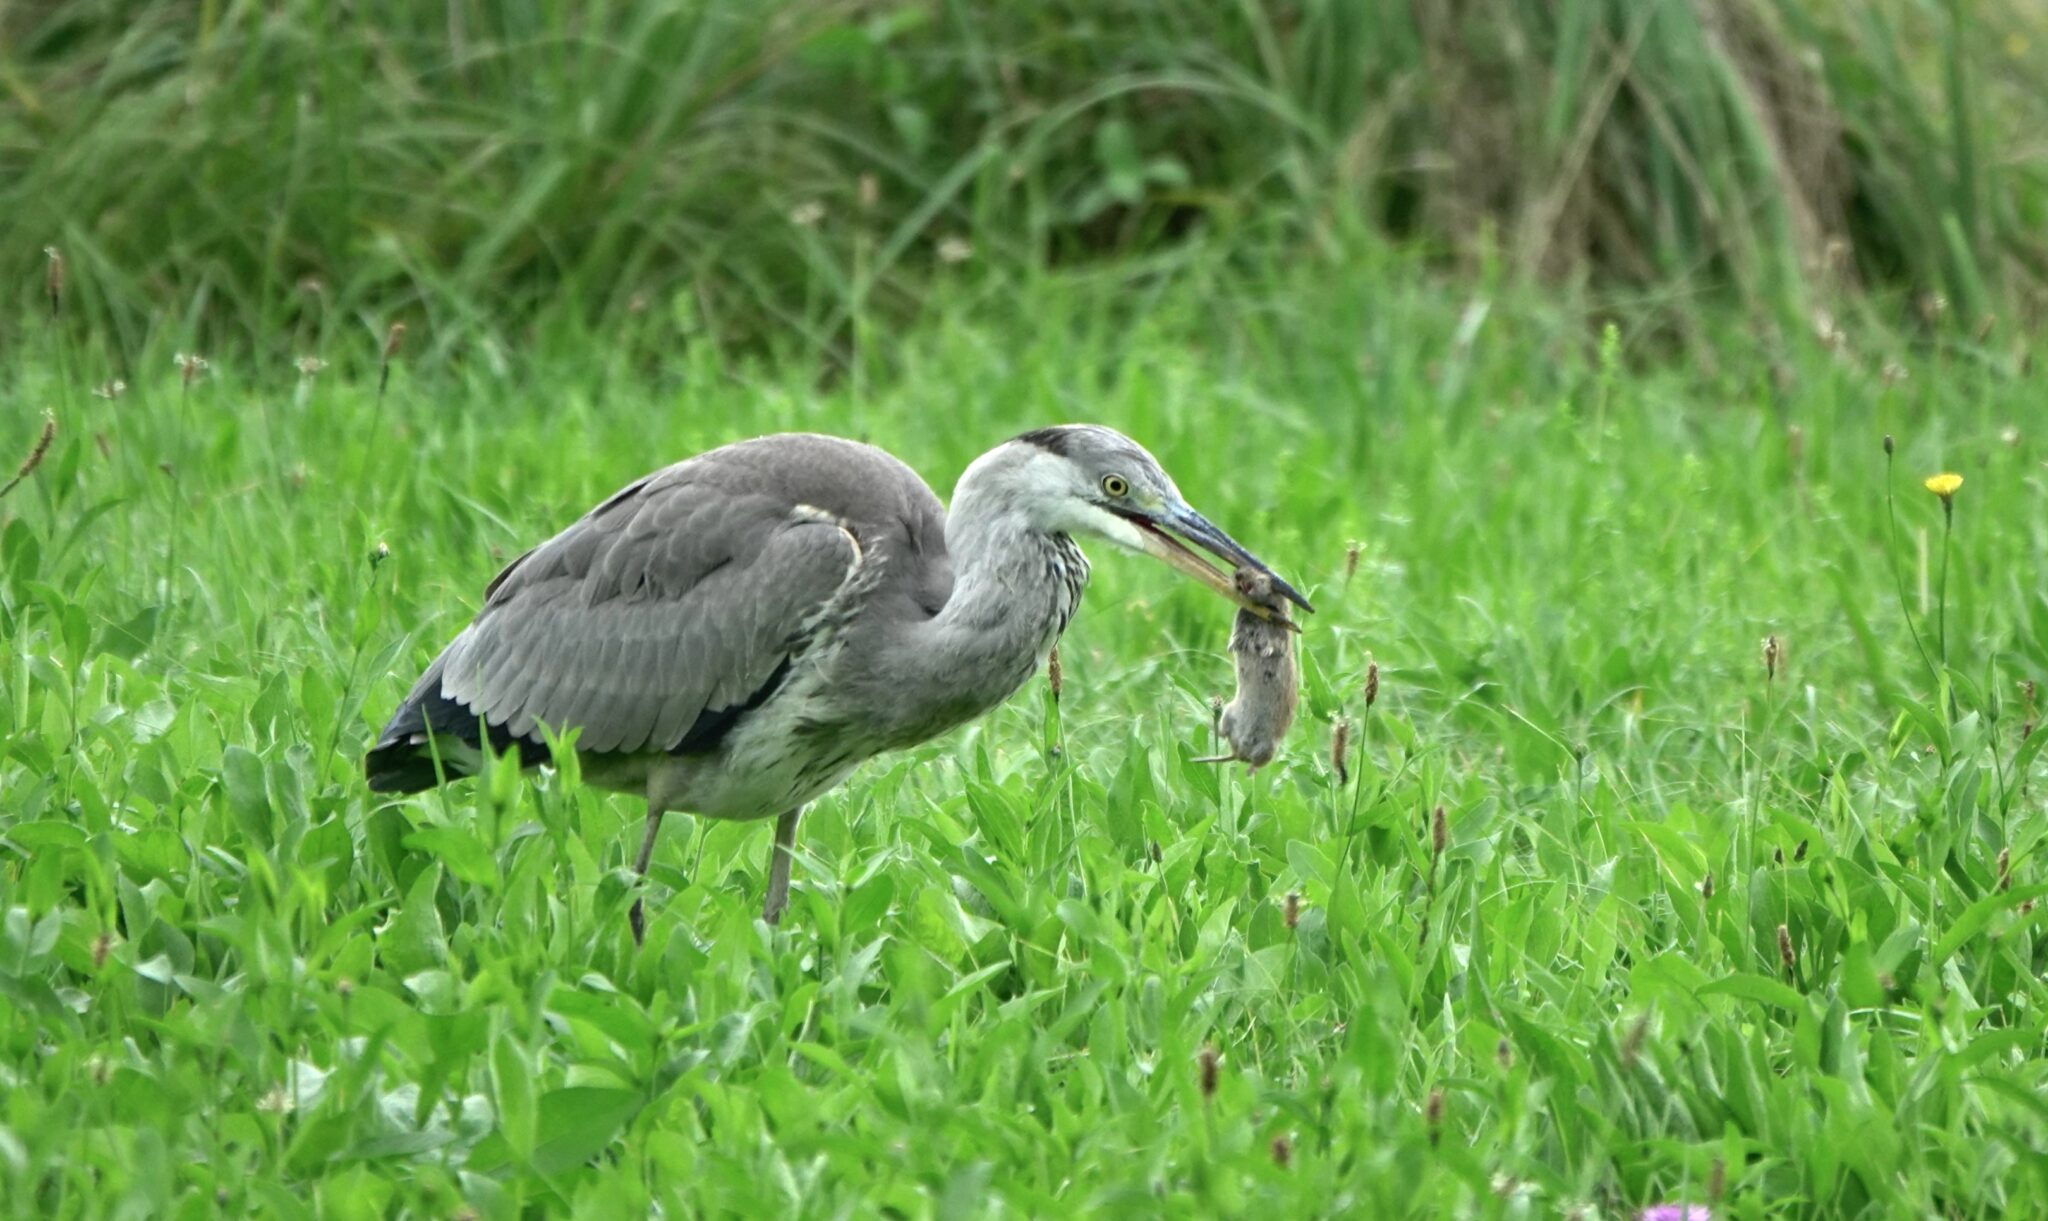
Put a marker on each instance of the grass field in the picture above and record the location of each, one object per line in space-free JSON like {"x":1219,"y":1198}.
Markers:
{"x":1692,"y":927}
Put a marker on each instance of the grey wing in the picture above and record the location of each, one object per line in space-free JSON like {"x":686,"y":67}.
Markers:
{"x":672,"y":601}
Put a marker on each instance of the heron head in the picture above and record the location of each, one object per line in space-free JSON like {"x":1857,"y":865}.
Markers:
{"x":1084,"y":479}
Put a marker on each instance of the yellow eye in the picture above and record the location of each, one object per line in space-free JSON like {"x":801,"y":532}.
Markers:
{"x":1115,"y":485}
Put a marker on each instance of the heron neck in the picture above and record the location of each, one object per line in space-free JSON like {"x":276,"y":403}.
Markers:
{"x":1013,"y":581}
{"x":1014,"y":589}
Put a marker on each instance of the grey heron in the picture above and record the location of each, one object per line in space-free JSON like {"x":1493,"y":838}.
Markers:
{"x":732,"y":635}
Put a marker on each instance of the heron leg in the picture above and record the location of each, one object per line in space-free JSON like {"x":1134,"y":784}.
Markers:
{"x":778,"y":868}
{"x":635,"y":916}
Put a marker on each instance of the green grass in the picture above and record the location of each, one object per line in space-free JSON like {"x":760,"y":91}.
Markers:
{"x":234,"y":983}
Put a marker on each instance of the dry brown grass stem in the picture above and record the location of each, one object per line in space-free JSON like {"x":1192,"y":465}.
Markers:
{"x":36,"y":453}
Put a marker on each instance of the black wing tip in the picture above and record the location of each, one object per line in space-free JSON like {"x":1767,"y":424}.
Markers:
{"x":713,"y":726}
{"x":398,"y":763}
{"x":399,"y":769}
{"x":403,"y":759}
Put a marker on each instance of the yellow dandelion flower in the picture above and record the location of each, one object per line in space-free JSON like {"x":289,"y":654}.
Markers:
{"x":1944,"y":485}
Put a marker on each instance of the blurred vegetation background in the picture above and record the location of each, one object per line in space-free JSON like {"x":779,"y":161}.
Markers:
{"x":272,"y":175}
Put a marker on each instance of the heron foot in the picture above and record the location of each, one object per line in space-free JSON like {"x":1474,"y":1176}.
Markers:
{"x":777,"y":900}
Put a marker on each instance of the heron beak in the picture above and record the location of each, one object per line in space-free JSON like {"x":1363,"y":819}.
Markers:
{"x":1161,"y":536}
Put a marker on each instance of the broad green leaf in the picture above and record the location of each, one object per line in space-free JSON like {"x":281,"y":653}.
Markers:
{"x":577,"y":1123}
{"x":464,"y":855}
{"x":413,"y":939}
{"x":512,"y":1093}
{"x":242,"y":774}
{"x":1977,"y":916}
{"x":1757,"y":988}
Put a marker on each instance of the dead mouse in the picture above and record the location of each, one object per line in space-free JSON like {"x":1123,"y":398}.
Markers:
{"x":1256,"y":719}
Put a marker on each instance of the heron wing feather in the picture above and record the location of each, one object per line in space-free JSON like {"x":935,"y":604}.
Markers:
{"x":675,"y":599}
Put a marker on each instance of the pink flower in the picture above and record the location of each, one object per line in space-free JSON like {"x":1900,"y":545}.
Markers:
{"x":1676,"y":1212}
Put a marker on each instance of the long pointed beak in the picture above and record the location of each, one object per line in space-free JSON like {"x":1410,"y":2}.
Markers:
{"x":1161,"y":536}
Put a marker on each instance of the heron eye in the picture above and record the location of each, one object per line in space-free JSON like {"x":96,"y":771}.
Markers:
{"x":1115,"y":485}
